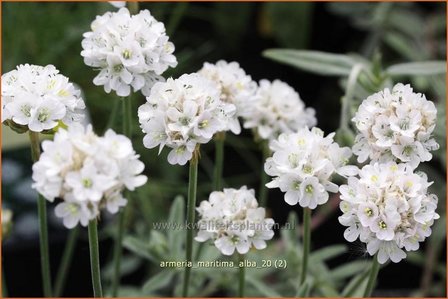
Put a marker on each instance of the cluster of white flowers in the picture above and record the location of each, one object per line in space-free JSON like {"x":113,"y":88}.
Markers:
{"x":302,"y":166}
{"x":233,"y":220}
{"x":277,"y":108}
{"x":87,"y":172}
{"x":128,"y":50}
{"x":389,"y":208}
{"x":395,"y":126}
{"x":39,"y":97}
{"x":181,"y":113}
{"x":235,"y":87}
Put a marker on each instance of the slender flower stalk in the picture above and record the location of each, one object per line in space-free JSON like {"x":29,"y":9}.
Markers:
{"x":117,"y":254}
{"x":242,"y":273}
{"x":263,"y":192}
{"x":219,"y":160}
{"x":191,"y":205}
{"x":113,"y":115}
{"x":43,"y":228}
{"x":66,"y":261}
{"x":127,"y":131}
{"x":95,"y":258}
{"x":372,"y":277}
{"x":306,"y":243}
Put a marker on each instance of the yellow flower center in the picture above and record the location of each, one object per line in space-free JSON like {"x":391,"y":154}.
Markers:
{"x":87,"y":183}
{"x":309,"y":189}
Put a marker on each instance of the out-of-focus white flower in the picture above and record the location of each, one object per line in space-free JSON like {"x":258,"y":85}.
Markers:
{"x":235,"y":88}
{"x":38,"y":97}
{"x":117,"y":4}
{"x":87,"y":172}
{"x":181,"y":113}
{"x":302,"y":166}
{"x":388,"y":207}
{"x":233,"y":221}
{"x":6,"y":222}
{"x":277,"y":108}
{"x":395,"y":125}
{"x":129,"y":50}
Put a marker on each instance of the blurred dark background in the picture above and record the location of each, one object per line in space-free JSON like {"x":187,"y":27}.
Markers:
{"x":51,"y":33}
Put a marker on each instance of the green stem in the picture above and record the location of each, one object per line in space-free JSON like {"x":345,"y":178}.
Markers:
{"x":43,"y":228}
{"x":113,"y":115}
{"x":372,"y":277}
{"x":219,"y":160}
{"x":117,"y":254}
{"x":191,"y":205}
{"x":241,"y":276}
{"x":306,"y":243}
{"x":127,"y":116}
{"x":95,"y":258}
{"x":66,"y":262}
{"x":263,"y":191}
{"x":127,"y":131}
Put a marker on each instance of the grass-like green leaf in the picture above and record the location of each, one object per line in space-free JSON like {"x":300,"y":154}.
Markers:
{"x":176,"y":237}
{"x":159,"y":281}
{"x":417,"y":68}
{"x":348,"y":269}
{"x":327,"y":64}
{"x":328,"y":252}
{"x":304,"y":291}
{"x":262,"y":288}
{"x":138,"y":247}
{"x":355,"y":284}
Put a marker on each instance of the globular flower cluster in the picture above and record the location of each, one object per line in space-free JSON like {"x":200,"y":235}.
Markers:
{"x":277,"y":108}
{"x":182,"y":113}
{"x":389,"y":208}
{"x":38,"y":98}
{"x":233,"y":220}
{"x":302,"y":166}
{"x":87,"y":172}
{"x":235,"y":86}
{"x":130,"y":51}
{"x":395,"y":125}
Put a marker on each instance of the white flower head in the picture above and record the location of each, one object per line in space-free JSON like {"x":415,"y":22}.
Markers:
{"x":302,"y":165}
{"x":233,"y":221}
{"x":131,"y":51}
{"x":395,"y":125}
{"x":181,"y":113}
{"x":387,"y":206}
{"x":38,"y":98}
{"x":277,"y":108}
{"x":235,"y":86}
{"x":87,"y":173}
